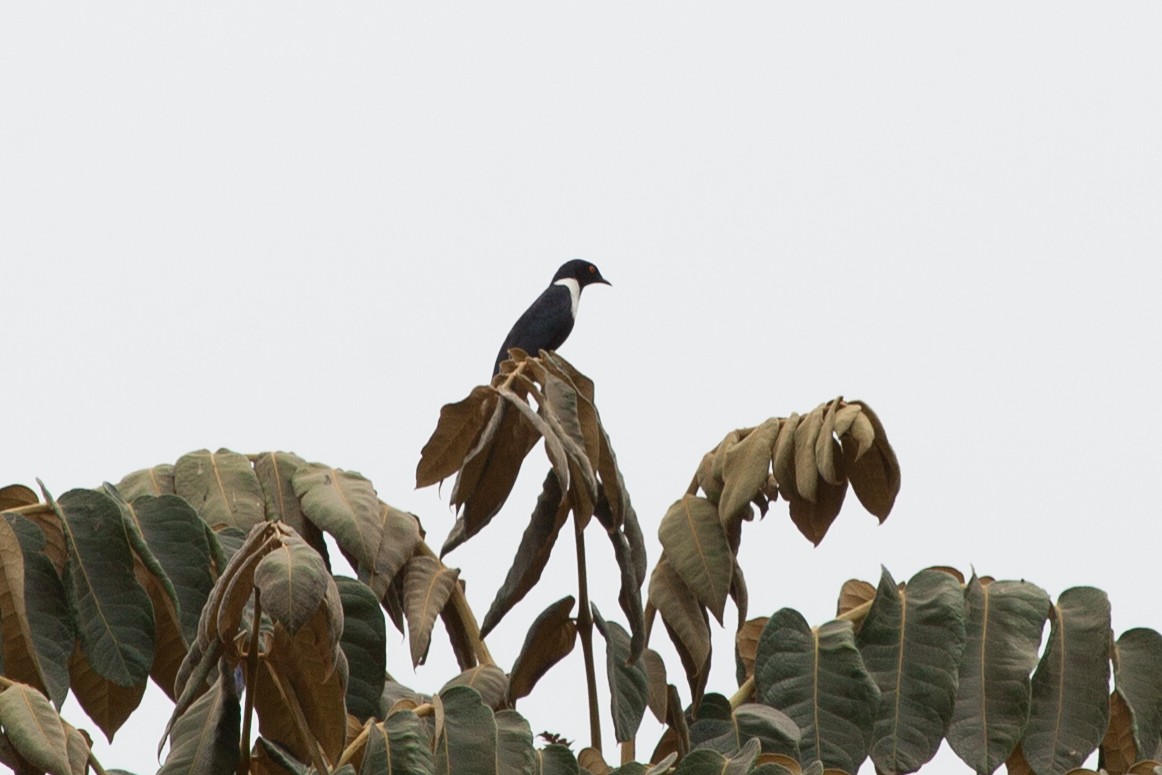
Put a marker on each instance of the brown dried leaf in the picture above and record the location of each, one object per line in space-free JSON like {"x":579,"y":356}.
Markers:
{"x":783,"y":455}
{"x":1016,"y":764}
{"x":489,"y":681}
{"x":680,"y":611}
{"x":814,"y":519}
{"x":591,"y":759}
{"x":656,"y":675}
{"x":456,"y":432}
{"x":103,"y":701}
{"x":1118,"y":751}
{"x":853,"y":594}
{"x":826,"y":451}
{"x":806,"y":469}
{"x":695,"y":543}
{"x":746,"y":642}
{"x":549,"y":640}
{"x":171,"y":645}
{"x":14,"y":496}
{"x":427,"y":586}
{"x":875,"y":476}
{"x":747,"y":464}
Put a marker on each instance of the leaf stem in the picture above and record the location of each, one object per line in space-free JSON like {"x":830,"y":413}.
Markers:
{"x":585,"y":630}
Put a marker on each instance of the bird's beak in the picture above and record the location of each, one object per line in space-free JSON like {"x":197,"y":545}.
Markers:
{"x":605,"y":282}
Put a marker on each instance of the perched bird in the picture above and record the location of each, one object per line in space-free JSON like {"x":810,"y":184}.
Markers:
{"x":546,"y":324}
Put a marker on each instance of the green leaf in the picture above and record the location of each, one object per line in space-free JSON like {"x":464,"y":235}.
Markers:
{"x":707,"y":761}
{"x":176,"y":537}
{"x":1137,"y":666}
{"x":292,"y":581}
{"x":514,"y":745}
{"x":1003,"y":635}
{"x":344,"y":504}
{"x":275,"y":472}
{"x":36,"y":630}
{"x":113,"y":613}
{"x":556,"y":760}
{"x":911,"y":642}
{"x":205,"y":738}
{"x":34,"y":728}
{"x":427,"y":587}
{"x":489,"y":681}
{"x":698,"y":551}
{"x":468,"y":744}
{"x":155,"y":481}
{"x":364,"y":641}
{"x":400,"y":745}
{"x":817,"y":677}
{"x":549,"y":640}
{"x":1071,"y":687}
{"x":536,"y":545}
{"x":628,"y":683}
{"x":726,"y":730}
{"x":222,"y":487}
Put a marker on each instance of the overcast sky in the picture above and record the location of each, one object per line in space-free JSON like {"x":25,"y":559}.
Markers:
{"x":267,"y":227}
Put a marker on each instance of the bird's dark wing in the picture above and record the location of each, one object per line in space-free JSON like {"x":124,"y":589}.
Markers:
{"x":544,"y":326}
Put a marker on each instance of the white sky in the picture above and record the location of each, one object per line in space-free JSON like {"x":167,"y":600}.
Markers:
{"x":307,"y":227}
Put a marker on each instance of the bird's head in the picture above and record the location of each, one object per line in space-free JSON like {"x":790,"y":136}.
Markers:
{"x":582,"y":271}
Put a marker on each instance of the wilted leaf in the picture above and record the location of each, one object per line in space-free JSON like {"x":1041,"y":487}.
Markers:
{"x":783,"y":455}
{"x":746,"y":466}
{"x":532,"y":555}
{"x":1003,"y":630}
{"x":813,"y":519}
{"x":344,"y":504}
{"x":655,"y":669}
{"x":292,"y":581}
{"x":911,"y":642}
{"x":13,"y":496}
{"x":806,"y":469}
{"x":427,"y":587}
{"x":549,"y":640}
{"x":696,"y":547}
{"x":456,"y":431}
{"x":817,"y":678}
{"x":853,"y":594}
{"x":1118,"y":749}
{"x":628,"y":683}
{"x":221,"y":486}
{"x":275,"y":472}
{"x":629,"y":595}
{"x":746,"y":643}
{"x":827,"y":451}
{"x":1070,"y":708}
{"x":104,"y":701}
{"x":34,"y":728}
{"x":680,"y":610}
{"x":875,"y":476}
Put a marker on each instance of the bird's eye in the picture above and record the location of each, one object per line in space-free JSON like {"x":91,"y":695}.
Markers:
{"x":592,"y":269}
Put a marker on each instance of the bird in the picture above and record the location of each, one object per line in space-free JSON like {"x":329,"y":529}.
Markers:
{"x":546,"y":324}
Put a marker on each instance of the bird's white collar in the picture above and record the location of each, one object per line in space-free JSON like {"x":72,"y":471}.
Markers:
{"x":574,"y":292}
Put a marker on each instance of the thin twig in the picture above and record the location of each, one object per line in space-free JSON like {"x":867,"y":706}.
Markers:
{"x":585,"y":630}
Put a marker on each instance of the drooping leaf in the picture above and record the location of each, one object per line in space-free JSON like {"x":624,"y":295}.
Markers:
{"x":427,"y":587}
{"x":621,"y":509}
{"x":156,"y":481}
{"x":1119,"y":751}
{"x":489,"y":471}
{"x":629,"y":595}
{"x":1137,"y":666}
{"x":113,"y":613}
{"x":400,"y":535}
{"x":816,"y":677}
{"x":1070,"y":707}
{"x":561,"y":411}
{"x":747,"y":464}
{"x":1003,"y":634}
{"x":45,"y":620}
{"x":461,"y":632}
{"x":806,"y":469}
{"x":532,"y":555}
{"x":911,"y":642}
{"x":489,"y":681}
{"x":814,"y":518}
{"x":874,"y":474}
{"x":549,"y":640}
{"x":221,"y":486}
{"x":456,"y":432}
{"x":468,"y":744}
{"x":292,"y":581}
{"x":34,"y":729}
{"x":696,"y":546}
{"x":344,"y":504}
{"x":628,"y":683}
{"x":746,"y":643}
{"x":828,"y":455}
{"x":680,"y":611}
{"x":364,"y":642}
{"x":13,"y":496}
{"x":205,"y":738}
